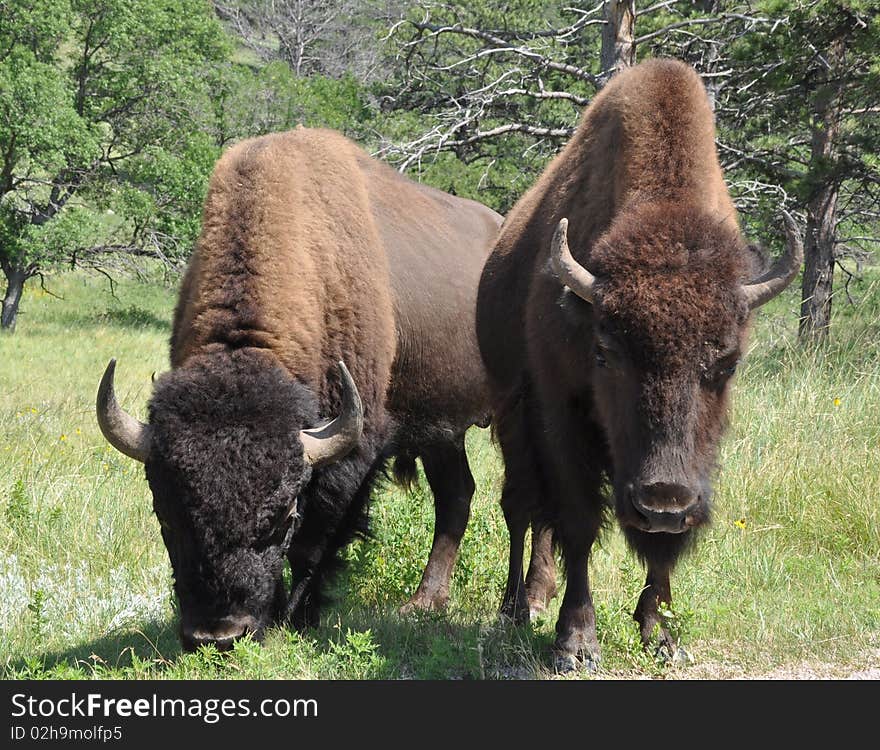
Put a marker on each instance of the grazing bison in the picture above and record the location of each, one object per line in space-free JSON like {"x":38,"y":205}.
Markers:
{"x":611,"y":315}
{"x":261,"y":444}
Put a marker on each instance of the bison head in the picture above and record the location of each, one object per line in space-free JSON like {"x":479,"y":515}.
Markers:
{"x":227,"y":458}
{"x":669,"y":307}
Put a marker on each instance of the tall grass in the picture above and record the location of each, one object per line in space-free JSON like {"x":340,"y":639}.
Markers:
{"x":788,"y":574}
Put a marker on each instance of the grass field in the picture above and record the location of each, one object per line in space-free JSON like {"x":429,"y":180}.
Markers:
{"x":786,"y":581}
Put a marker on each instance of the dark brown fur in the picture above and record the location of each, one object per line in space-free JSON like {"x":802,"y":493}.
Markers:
{"x":311,"y":252}
{"x":632,"y":388}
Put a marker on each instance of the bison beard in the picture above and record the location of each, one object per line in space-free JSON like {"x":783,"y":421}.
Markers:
{"x":611,"y":360}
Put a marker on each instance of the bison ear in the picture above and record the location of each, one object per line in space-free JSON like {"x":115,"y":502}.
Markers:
{"x":576,"y":310}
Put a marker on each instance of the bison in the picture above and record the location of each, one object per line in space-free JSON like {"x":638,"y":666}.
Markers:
{"x":611,"y":316}
{"x":325,"y":324}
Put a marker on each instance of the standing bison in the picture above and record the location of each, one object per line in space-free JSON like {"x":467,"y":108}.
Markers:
{"x":611,"y":315}
{"x":325,"y":323}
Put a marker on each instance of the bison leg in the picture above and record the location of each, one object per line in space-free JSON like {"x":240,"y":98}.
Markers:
{"x":448,"y":473}
{"x":520,"y":501}
{"x":657,"y":595}
{"x":576,"y":642}
{"x":308,"y":613}
{"x":541,"y":579}
{"x":303,"y":607}
{"x":515,"y":605}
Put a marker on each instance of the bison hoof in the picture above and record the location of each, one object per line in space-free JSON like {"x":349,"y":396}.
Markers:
{"x":681,"y":658}
{"x":566,"y":663}
{"x":673,"y":656}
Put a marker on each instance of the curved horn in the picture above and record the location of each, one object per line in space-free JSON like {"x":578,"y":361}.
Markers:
{"x":125,"y":433}
{"x":783,"y":271}
{"x":333,"y":440}
{"x":567,"y":269}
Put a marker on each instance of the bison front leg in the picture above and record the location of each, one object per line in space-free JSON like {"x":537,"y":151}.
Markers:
{"x":541,"y":578}
{"x":446,"y":468}
{"x":656,"y":597}
{"x":576,"y":643}
{"x":303,"y":609}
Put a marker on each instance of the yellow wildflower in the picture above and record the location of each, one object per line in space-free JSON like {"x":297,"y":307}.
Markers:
{"x":63,"y":437}
{"x":837,"y":402}
{"x":740,"y":523}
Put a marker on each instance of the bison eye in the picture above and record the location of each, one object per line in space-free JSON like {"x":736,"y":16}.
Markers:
{"x":722,"y":373}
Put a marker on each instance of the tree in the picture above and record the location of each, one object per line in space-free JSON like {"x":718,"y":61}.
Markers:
{"x":794,"y":84}
{"x":618,"y":47}
{"x":505,"y":86}
{"x":334,"y":38}
{"x":97,"y":107}
{"x":248,"y":102}
{"x":496,"y":88}
{"x":808,"y":122}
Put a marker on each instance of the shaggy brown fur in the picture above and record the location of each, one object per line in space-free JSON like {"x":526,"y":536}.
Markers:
{"x":311,"y":252}
{"x":632,"y":387}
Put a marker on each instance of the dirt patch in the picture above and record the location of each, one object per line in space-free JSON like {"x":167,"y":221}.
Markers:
{"x":863,"y":668}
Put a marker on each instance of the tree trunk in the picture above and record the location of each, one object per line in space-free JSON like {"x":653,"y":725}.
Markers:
{"x":818,"y":280}
{"x":15,"y":278}
{"x":818,"y":283}
{"x":618,"y":48}
{"x":710,"y":57}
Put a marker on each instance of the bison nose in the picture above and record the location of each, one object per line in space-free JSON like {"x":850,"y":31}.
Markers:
{"x":221,"y":633}
{"x":666,"y":507}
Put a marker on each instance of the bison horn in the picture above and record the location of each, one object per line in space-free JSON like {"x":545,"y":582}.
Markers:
{"x":331,"y":441}
{"x":125,"y":433}
{"x":783,"y":271}
{"x":567,"y":269}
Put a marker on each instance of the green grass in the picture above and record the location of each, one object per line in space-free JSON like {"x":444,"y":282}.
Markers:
{"x":787,"y":577}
